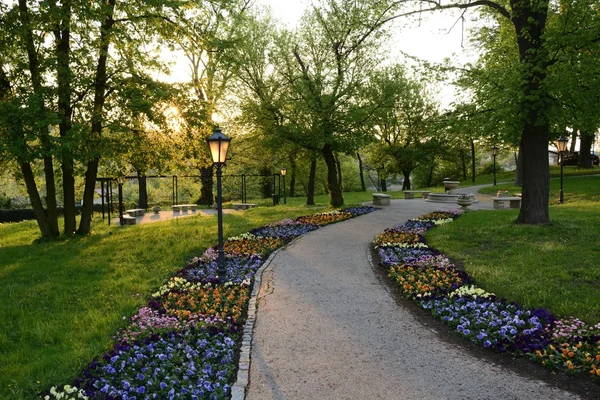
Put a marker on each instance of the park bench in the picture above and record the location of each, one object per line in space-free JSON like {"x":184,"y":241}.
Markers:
{"x":502,"y":202}
{"x":243,"y":206}
{"x":380,"y":199}
{"x":129,"y":220}
{"x":184,"y":207}
{"x":410,"y":194}
{"x":136,"y":212}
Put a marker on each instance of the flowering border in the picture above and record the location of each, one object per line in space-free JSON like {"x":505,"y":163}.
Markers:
{"x":192,"y":338}
{"x":427,"y":276}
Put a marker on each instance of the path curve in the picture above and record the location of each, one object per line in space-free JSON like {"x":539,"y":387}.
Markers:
{"x":327,"y":328}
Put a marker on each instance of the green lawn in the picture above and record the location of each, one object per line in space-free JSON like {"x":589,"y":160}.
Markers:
{"x":554,"y":266}
{"x":62,"y":300}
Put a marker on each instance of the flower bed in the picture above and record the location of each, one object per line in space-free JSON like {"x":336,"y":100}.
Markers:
{"x":184,"y":342}
{"x":428,"y":277}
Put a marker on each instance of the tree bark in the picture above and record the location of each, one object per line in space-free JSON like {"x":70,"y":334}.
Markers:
{"x":338,"y":165}
{"x":463,"y":165}
{"x":529,"y":19}
{"x":406,"y":184}
{"x":310,"y":192}
{"x":143,"y":191}
{"x":333,"y":186}
{"x":62,"y":35}
{"x":361,"y":173}
{"x":266,"y":184}
{"x":382,"y":180}
{"x":585,"y":150}
{"x":206,"y":191}
{"x":97,"y":119}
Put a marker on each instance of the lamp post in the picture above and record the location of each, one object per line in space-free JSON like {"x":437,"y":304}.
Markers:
{"x":561,"y":145}
{"x":494,"y":154}
{"x":283,"y":171}
{"x":219,"y":144}
{"x":120,"y":186}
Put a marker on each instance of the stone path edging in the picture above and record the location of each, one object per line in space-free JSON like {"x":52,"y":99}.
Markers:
{"x":238,"y":390}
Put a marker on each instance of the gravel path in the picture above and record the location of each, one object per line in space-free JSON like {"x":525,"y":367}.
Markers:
{"x":327,"y":328}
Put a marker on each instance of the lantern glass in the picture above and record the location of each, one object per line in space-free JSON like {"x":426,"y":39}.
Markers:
{"x":219,"y":145}
{"x":561,"y":144}
{"x":283,"y":171}
{"x":494,"y":150}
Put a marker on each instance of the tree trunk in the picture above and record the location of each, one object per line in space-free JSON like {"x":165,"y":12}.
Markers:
{"x":310,"y":192}
{"x":36,"y":202}
{"x":536,"y":178}
{"x":338,"y":165}
{"x":266,"y":183}
{"x":519,"y":171}
{"x":100,"y":84}
{"x":206,"y":189}
{"x":406,"y":184}
{"x":143,"y":191}
{"x":91,"y":172}
{"x":361,"y":173}
{"x":62,"y":36}
{"x":463,"y":165}
{"x":529,"y":19}
{"x":291,"y":191}
{"x":574,"y":140}
{"x":585,"y":150}
{"x":333,"y":186}
{"x":382,"y":180}
{"x":472,"y":161}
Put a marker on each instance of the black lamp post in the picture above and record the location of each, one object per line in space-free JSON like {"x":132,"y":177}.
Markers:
{"x":561,"y":145}
{"x":283,"y":171}
{"x":219,"y":144}
{"x":494,"y":154}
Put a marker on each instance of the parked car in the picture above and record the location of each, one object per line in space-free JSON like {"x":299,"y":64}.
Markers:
{"x":573,"y":158}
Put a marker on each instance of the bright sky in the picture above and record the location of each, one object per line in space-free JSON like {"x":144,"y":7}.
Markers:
{"x":432,"y":40}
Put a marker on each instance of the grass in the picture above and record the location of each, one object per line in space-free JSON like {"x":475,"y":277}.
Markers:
{"x":62,"y":300}
{"x":552,"y":266}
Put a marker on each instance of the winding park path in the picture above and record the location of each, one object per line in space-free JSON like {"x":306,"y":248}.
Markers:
{"x":328,"y":327}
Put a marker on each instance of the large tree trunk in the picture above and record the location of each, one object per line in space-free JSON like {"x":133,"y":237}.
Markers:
{"x":463,"y":165}
{"x":206,"y":191}
{"x":143,"y":191}
{"x":529,"y":20}
{"x":361,"y":173}
{"x":406,"y":184}
{"x":585,"y":150}
{"x":333,"y":186}
{"x":97,"y":119}
{"x":382,"y":179}
{"x":310,"y":192}
{"x":62,"y":36}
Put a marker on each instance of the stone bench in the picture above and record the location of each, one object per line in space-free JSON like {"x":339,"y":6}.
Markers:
{"x":501,"y":202}
{"x":380,"y":199}
{"x":410,"y":194}
{"x":184,"y":207}
{"x":136,"y":212}
{"x":129,"y":220}
{"x":243,"y":206}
